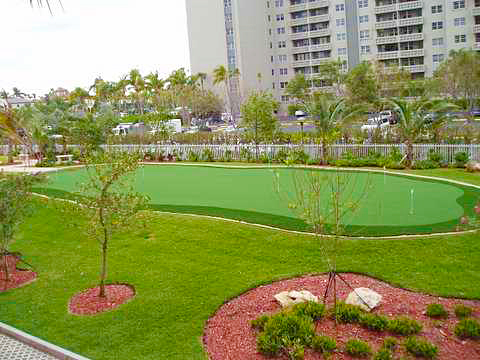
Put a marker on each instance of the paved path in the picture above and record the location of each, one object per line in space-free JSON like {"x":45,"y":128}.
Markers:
{"x":24,"y":168}
{"x":11,"y":349}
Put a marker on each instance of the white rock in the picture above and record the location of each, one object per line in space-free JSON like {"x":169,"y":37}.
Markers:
{"x":291,"y":298}
{"x":368,"y":296}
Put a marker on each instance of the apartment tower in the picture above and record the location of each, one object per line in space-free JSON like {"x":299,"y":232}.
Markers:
{"x":269,"y":41}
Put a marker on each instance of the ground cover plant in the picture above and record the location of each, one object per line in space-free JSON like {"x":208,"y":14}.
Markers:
{"x":207,"y":258}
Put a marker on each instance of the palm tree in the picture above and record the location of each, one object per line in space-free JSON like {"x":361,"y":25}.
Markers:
{"x":328,"y":116}
{"x":202,"y":77}
{"x":136,"y":80}
{"x":414,"y":119}
{"x":229,"y":78}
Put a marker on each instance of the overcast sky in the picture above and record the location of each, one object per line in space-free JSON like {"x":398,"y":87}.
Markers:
{"x":90,"y":38}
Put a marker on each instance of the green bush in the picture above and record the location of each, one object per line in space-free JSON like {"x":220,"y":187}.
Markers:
{"x":297,"y":352}
{"x":468,"y":328}
{"x":324,"y":344}
{"x":389,"y":343}
{"x":259,"y":323}
{"x":347,"y":314}
{"x":298,"y":156}
{"x":246,"y":155}
{"x":265,"y":158}
{"x":207,"y":155}
{"x":383,"y":354}
{"x":228,"y":156}
{"x":310,"y":309}
{"x":421,"y":348}
{"x":192,"y":156}
{"x":374,"y":322}
{"x":435,"y":156}
{"x":426,"y":164}
{"x":281,"y":156}
{"x":461,"y":159}
{"x":357,"y":348}
{"x":436,"y":311}
{"x":284,"y":330}
{"x":404,"y":325}
{"x":462,"y":311}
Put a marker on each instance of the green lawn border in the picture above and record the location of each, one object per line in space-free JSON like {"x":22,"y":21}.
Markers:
{"x":471,"y":195}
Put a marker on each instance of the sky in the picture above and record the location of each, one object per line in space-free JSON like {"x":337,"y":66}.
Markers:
{"x":88,"y":39}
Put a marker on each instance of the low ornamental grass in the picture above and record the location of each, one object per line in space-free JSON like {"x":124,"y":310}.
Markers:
{"x":403,"y":325}
{"x":462,"y":311}
{"x":468,"y":329}
{"x":436,"y":311}
{"x":357,"y":348}
{"x":421,"y":348}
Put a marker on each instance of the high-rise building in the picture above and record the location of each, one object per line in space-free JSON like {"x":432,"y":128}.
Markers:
{"x":269,"y":41}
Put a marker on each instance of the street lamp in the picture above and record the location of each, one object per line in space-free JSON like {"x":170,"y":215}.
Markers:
{"x":301,"y":115}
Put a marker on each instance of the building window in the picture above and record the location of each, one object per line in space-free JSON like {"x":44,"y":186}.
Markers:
{"x":460,"y":38}
{"x":281,"y":30}
{"x":340,"y":22}
{"x":437,"y":9}
{"x":342,"y":51}
{"x":340,"y":7}
{"x":364,"y":34}
{"x":438,"y":58}
{"x":437,"y":42}
{"x":283,"y":84}
{"x":284,"y":71}
{"x":362,"y":3}
{"x":365,"y":49}
{"x":271,"y":59}
{"x":436,"y":25}
{"x":282,"y":44}
{"x":459,"y":4}
{"x":273,"y":85}
{"x":284,"y":98}
{"x":282,"y":59}
{"x":273,"y":72}
{"x":363,"y":19}
{"x":278,"y":3}
{"x":341,"y":36}
{"x":280,"y":17}
{"x":459,"y":21}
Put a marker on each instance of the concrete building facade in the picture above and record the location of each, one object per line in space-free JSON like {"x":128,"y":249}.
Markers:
{"x":269,"y":41}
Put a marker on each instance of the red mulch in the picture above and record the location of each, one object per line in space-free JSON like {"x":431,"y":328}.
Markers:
{"x":228,"y":334}
{"x":17,"y":278}
{"x":89,"y":303}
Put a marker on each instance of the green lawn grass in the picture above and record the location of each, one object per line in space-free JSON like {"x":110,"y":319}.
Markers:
{"x":3,"y":159}
{"x":188,"y":266}
{"x":250,"y":194}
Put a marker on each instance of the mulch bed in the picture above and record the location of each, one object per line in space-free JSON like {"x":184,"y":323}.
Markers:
{"x":228,"y":334}
{"x":17,"y":278}
{"x":89,"y":303}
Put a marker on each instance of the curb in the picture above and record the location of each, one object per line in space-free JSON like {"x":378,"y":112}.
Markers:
{"x":39,"y":344}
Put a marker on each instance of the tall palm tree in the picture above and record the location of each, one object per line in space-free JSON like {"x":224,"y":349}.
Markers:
{"x":202,"y":77}
{"x":414,"y":119}
{"x":230,"y":80}
{"x":136,"y":80}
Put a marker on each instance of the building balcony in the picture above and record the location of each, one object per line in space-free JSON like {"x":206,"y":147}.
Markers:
{"x":387,"y":55}
{"x":300,"y":63}
{"x":312,"y":62}
{"x":309,"y":34}
{"x":412,"y":53}
{"x":385,"y":9}
{"x":414,"y":68}
{"x":476,"y":46}
{"x":476,"y":28}
{"x":476,"y":11}
{"x":300,"y":49}
{"x":309,"y":5}
{"x":387,"y":39}
{"x":309,"y":20}
{"x":304,"y":49}
{"x":411,"y":37}
{"x":410,"y":5}
{"x":410,"y":21}
{"x":386,"y":24}
{"x":320,"y":61}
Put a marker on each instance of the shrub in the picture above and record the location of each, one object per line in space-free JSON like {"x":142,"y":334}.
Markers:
{"x":468,"y":328}
{"x":297,"y":352}
{"x":259,"y":323}
{"x":421,"y":348}
{"x":245,"y":155}
{"x":462,"y":311}
{"x":347,"y":314}
{"x":357,"y":348}
{"x":435,"y":156}
{"x":383,"y":354}
{"x":228,"y":156}
{"x":192,"y":156}
{"x":436,"y":311}
{"x":374,"y":322}
{"x":389,"y":343}
{"x":426,"y":164}
{"x":281,"y":156}
{"x":310,"y":309}
{"x":207,"y":155}
{"x":461,"y":159}
{"x":404,"y":326}
{"x":265,"y":158}
{"x":324,"y":344}
{"x":283,"y":331}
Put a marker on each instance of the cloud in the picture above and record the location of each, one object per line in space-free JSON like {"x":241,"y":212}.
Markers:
{"x":91,"y":38}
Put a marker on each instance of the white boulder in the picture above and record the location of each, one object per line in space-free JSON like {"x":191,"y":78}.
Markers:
{"x":364,"y":295}
{"x":286,"y":298}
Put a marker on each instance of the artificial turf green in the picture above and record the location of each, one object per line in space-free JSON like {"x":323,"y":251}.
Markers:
{"x":252,"y":195}
{"x":183,"y":268}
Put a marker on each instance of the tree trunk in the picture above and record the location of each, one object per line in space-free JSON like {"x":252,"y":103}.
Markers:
{"x":409,"y":154}
{"x":103,"y":273}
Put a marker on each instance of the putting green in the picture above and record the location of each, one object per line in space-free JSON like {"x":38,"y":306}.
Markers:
{"x":391,"y":204}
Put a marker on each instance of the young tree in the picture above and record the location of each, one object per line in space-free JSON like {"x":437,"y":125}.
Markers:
{"x":15,"y":207}
{"x":258,"y":114}
{"x":107,"y":200}
{"x":361,"y":84}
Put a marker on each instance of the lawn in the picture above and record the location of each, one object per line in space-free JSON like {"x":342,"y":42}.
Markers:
{"x":250,"y":194}
{"x":184,"y":268}
{"x":3,"y":159}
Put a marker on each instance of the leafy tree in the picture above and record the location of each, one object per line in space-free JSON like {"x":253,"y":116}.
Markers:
{"x":298,"y":88}
{"x":258,"y":114}
{"x":459,"y":76}
{"x":361,"y":84}
{"x":15,"y":207}
{"x":332,"y":72}
{"x":107,"y":200}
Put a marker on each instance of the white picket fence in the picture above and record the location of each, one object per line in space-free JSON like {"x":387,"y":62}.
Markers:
{"x":314,"y":151}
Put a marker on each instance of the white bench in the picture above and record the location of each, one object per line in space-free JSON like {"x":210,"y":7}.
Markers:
{"x":64,"y":158}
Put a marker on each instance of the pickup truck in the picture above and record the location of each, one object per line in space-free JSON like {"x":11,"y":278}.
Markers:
{"x":380,"y":120}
